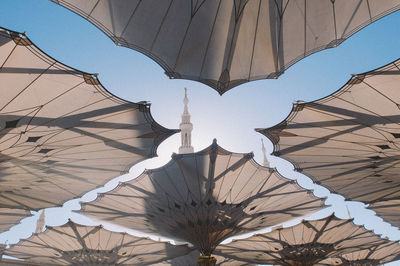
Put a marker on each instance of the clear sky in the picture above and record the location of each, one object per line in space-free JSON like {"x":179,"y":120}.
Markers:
{"x":230,"y":118}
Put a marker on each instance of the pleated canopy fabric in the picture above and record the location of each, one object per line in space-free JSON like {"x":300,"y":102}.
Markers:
{"x":303,"y":244}
{"x":62,"y":133}
{"x":191,"y":260}
{"x":226,"y":43}
{"x":388,"y":209}
{"x":349,"y":141}
{"x":2,"y":248}
{"x":375,"y":255}
{"x":204,"y":198}
{"x":11,"y":217}
{"x":75,"y":244}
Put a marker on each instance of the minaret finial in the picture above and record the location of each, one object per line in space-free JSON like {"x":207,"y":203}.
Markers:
{"x":186,"y":128}
{"x":265,"y":162}
{"x":348,"y":211}
{"x":40,"y":222}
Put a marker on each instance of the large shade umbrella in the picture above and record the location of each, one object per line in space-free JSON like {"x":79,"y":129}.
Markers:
{"x":204,"y":198}
{"x":226,"y":43}
{"x":303,"y":244}
{"x":349,"y":141}
{"x":75,"y":244}
{"x":378,"y":254}
{"x":62,"y":133}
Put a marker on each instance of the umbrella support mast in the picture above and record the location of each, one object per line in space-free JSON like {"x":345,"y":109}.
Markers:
{"x":206,"y":260}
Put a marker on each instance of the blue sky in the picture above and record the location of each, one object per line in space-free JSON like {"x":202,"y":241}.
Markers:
{"x":230,"y":118}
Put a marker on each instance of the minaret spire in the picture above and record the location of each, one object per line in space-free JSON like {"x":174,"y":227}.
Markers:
{"x":186,"y":129}
{"x":265,"y":162}
{"x":41,"y":222}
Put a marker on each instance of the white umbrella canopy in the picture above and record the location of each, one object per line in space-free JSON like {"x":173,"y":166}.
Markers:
{"x":11,"y":217}
{"x":203,"y":198}
{"x":349,"y":141}
{"x":306,"y":243}
{"x":62,"y":133}
{"x":75,"y":244}
{"x":226,"y":43}
{"x":375,"y":255}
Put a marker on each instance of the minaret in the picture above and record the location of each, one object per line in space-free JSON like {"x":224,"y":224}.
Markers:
{"x":186,"y":129}
{"x":40,"y":223}
{"x":265,"y":162}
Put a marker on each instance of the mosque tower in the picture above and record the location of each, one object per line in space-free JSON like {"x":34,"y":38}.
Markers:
{"x":186,"y":129}
{"x":265,"y":162}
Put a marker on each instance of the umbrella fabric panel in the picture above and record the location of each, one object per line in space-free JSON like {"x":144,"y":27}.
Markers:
{"x":203,"y":198}
{"x":375,"y":255}
{"x":62,"y":133}
{"x":388,"y":209}
{"x":307,"y":242}
{"x":348,"y":141}
{"x":11,"y":217}
{"x":77,"y":244}
{"x":226,"y":43}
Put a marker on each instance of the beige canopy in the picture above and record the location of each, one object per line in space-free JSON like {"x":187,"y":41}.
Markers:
{"x":388,"y":209}
{"x":226,"y":43}
{"x":303,"y":244}
{"x":204,"y":198}
{"x":375,"y":255}
{"x":62,"y":133}
{"x":75,"y":244}
{"x":349,"y":141}
{"x":11,"y":217}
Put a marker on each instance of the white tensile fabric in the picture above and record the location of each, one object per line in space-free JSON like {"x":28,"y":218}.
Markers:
{"x":349,"y":141}
{"x":375,"y":255}
{"x":62,"y":133}
{"x":75,"y":244}
{"x":229,"y":42}
{"x":388,"y":209}
{"x":204,"y":198}
{"x":191,"y":260}
{"x":303,"y":244}
{"x":11,"y":217}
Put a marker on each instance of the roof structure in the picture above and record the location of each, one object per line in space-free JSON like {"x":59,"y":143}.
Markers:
{"x":191,"y":258}
{"x":375,"y":255}
{"x":62,"y":133}
{"x":204,"y":198}
{"x":349,"y":141}
{"x":11,"y":217}
{"x":75,"y":244}
{"x":303,"y":244}
{"x":226,"y":43}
